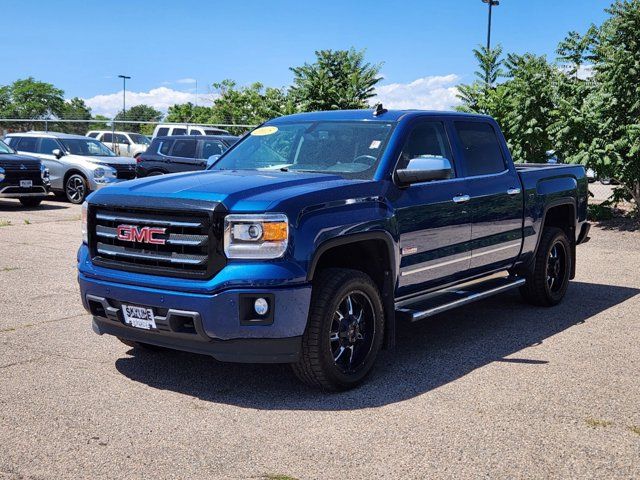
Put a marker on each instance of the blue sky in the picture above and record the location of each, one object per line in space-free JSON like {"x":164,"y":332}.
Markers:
{"x":81,"y":46}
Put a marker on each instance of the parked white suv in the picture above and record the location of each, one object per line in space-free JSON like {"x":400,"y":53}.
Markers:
{"x":127,"y":144}
{"x":77,"y":165}
{"x":163,"y":130}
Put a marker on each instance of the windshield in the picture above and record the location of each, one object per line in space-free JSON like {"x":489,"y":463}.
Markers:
{"x":4,"y":148}
{"x":137,"y":138}
{"x":86,"y":146}
{"x":350,"y":149}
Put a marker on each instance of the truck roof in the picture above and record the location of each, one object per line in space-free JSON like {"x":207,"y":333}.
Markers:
{"x":368,"y":114}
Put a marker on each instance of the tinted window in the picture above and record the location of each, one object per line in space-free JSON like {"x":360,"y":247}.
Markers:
{"x":482,"y":152}
{"x":121,"y":139}
{"x":194,"y":132}
{"x":179,"y":131}
{"x":165,"y":147}
{"x":162,"y":131}
{"x":107,"y":138}
{"x":184,"y":148}
{"x":427,"y":140}
{"x":93,"y":134}
{"x":212,"y":147}
{"x":48,"y":145}
{"x":27,"y":144}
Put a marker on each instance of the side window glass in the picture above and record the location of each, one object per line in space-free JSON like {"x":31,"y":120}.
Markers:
{"x":179,"y":131}
{"x":211,"y":147}
{"x":194,"y":132}
{"x":107,"y":138}
{"x":165,"y":147}
{"x":48,"y":145}
{"x":162,"y":131}
{"x":121,"y":138}
{"x":28,"y":144}
{"x":427,"y":140}
{"x":93,"y":135}
{"x":482,"y":152}
{"x":184,"y":148}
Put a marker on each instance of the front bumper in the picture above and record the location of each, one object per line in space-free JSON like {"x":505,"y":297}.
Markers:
{"x":213,"y":324}
{"x":16,"y":191}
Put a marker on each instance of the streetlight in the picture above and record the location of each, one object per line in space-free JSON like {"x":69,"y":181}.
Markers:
{"x":491,"y":3}
{"x":124,"y":95}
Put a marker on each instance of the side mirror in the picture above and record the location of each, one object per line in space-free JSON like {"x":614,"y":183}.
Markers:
{"x":211,"y":160}
{"x":56,"y":152}
{"x":424,"y":169}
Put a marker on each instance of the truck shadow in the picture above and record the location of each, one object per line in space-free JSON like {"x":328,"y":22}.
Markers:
{"x":428,"y":355}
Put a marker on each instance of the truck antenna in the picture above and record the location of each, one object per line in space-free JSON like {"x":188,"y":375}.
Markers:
{"x":378,"y":109}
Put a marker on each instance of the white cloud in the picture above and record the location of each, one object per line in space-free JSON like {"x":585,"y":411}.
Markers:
{"x":186,"y":80}
{"x":160,"y":98}
{"x":427,"y":93}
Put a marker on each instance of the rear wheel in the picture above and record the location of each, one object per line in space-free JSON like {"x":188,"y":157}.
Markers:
{"x":344,"y":331}
{"x":548,"y":282}
{"x":76,"y":188}
{"x":31,"y":201}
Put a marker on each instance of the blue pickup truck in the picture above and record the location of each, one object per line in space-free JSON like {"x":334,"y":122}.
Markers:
{"x":309,"y":239}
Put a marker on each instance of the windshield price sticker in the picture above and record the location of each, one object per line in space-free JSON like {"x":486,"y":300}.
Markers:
{"x":262,"y":131}
{"x":375,"y":144}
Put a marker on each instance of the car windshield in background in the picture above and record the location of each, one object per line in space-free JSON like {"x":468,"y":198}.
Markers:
{"x":350,"y":149}
{"x":4,"y":148}
{"x":137,"y":138}
{"x":87,"y":147}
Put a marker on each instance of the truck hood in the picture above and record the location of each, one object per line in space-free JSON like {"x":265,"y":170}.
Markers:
{"x":237,"y":190}
{"x":12,"y":158}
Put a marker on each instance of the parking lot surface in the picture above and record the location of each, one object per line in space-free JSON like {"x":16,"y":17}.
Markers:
{"x":498,"y":389}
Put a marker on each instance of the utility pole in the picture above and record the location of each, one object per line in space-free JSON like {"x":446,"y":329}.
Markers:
{"x":491,"y":3}
{"x":124,"y":95}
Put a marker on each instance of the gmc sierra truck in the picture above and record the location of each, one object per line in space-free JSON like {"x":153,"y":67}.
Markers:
{"x":309,"y":239}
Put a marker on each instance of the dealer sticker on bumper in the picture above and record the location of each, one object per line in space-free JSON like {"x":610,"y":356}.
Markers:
{"x":139,"y":317}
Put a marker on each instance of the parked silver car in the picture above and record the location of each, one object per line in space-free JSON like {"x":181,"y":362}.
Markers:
{"x":77,"y":165}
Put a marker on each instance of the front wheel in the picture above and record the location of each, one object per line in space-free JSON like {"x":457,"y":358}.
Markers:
{"x":547,"y":284}
{"x":344,"y":331}
{"x":76,"y":188}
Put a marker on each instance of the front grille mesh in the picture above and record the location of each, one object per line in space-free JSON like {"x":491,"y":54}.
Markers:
{"x":191,"y":247}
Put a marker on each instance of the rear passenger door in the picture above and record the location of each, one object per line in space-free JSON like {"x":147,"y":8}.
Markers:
{"x":183,"y":155}
{"x":56,"y":167}
{"x":496,"y":203}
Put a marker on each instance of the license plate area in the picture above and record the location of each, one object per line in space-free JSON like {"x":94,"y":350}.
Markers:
{"x":26,"y":183}
{"x":139,"y":317}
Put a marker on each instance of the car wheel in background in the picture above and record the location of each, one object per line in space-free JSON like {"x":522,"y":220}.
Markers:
{"x":76,"y":189}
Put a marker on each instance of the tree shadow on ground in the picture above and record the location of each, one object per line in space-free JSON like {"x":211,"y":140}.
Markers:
{"x":428,"y":354}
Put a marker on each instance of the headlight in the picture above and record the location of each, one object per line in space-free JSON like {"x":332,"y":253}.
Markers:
{"x":83,"y":218}
{"x":98,"y":172}
{"x":2,"y":174}
{"x":256,"y":236}
{"x":44,"y":172}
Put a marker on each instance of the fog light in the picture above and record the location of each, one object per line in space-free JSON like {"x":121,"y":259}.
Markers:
{"x":261,"y":306}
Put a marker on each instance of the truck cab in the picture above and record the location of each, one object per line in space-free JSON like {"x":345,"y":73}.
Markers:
{"x":307,"y":240}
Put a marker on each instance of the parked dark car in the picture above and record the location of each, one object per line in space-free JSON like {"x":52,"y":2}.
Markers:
{"x":181,"y":153}
{"x":22,"y":177}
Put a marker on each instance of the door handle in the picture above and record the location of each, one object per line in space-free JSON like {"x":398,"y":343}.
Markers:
{"x":513,"y":191}
{"x":461,"y":198}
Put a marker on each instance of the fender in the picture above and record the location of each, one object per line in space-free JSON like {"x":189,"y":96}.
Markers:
{"x":389,"y":284}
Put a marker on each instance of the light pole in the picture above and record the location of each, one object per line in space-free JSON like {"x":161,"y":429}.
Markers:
{"x":124,"y":95}
{"x":491,"y":3}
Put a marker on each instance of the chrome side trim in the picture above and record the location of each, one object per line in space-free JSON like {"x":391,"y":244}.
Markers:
{"x":468,"y":257}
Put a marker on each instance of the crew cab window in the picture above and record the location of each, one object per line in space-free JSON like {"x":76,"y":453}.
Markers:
{"x":482,"y":152}
{"x":212,"y":147}
{"x":184,"y":148}
{"x":48,"y":145}
{"x":179,"y":131}
{"x":107,"y":138}
{"x":27,"y":144}
{"x":427,"y":140}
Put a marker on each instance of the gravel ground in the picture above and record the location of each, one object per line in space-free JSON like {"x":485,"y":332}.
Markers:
{"x":498,"y":389}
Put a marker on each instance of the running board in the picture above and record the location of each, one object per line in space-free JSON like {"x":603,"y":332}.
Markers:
{"x":456,"y":296}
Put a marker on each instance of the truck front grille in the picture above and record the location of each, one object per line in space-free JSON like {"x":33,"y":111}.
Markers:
{"x":187,"y":243}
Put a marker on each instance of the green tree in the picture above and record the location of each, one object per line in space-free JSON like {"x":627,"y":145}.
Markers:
{"x":139,"y":113}
{"x":189,"y":113}
{"x":338,"y":79}
{"x":74,"y":109}
{"x":100,"y":123}
{"x":614,"y":104}
{"x":30,"y":99}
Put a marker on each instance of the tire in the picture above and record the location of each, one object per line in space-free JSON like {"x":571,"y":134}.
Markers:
{"x":76,"y":188}
{"x":155,"y":173}
{"x":31,"y":202}
{"x":328,"y":338}
{"x":139,"y":345}
{"x":547,"y":284}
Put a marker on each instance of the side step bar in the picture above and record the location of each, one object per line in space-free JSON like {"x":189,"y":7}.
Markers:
{"x":453,"y":297}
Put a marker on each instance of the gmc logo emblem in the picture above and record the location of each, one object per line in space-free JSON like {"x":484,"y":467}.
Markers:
{"x":131,"y":233}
